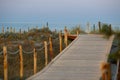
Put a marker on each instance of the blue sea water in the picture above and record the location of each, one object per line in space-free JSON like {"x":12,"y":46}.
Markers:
{"x":25,"y":26}
{"x":58,"y":27}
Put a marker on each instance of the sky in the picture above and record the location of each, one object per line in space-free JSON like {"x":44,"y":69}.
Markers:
{"x":60,"y":11}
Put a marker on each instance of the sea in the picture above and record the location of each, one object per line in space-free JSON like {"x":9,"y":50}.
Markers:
{"x":25,"y":26}
{"x":57,"y":27}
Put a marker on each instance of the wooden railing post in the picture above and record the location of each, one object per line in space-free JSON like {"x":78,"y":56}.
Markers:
{"x":106,"y":72}
{"x":94,"y":28}
{"x":3,"y":30}
{"x":46,"y":53}
{"x":5,"y":63}
{"x":103,"y":76}
{"x":60,"y":39}
{"x":99,"y":25}
{"x":11,"y":30}
{"x":35,"y":61}
{"x":51,"y":48}
{"x":102,"y":67}
{"x":110,"y":28}
{"x":77,"y":32}
{"x":28,"y":29}
{"x":20,"y":33}
{"x":14,"y":30}
{"x":88,"y":27}
{"x":66,"y":36}
{"x":21,"y":62}
{"x":7,"y":29}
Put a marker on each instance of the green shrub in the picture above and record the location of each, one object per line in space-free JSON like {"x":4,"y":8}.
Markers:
{"x":114,"y":56}
{"x":74,"y":30}
{"x":106,"y":30}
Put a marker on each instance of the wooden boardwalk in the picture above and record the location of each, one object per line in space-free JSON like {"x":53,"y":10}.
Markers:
{"x":79,"y":61}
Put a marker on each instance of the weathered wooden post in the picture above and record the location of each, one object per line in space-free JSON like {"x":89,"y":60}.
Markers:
{"x":77,"y":32}
{"x":5,"y":63}
{"x":103,"y":76}
{"x":7,"y":29}
{"x":94,"y":28}
{"x":99,"y":25}
{"x":46,"y":53}
{"x":14,"y":30}
{"x":60,"y":39}
{"x":11,"y":30}
{"x":20,"y":33}
{"x":21,"y":62}
{"x":47,"y":24}
{"x":35,"y":61}
{"x":66,"y":36}
{"x":79,"y":29}
{"x":3,"y":29}
{"x":110,"y":29}
{"x":51,"y":48}
{"x":102,"y":66}
{"x":88,"y":28}
{"x":106,"y":72}
{"x":28,"y":29}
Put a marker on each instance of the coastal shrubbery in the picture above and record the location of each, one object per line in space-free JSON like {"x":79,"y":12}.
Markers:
{"x":106,"y":30}
{"x":74,"y":30}
{"x":29,"y":40}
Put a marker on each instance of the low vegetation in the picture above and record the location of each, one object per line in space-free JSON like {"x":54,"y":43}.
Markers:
{"x":115,"y":56}
{"x":74,"y":30}
{"x":34,"y":38}
{"x":106,"y":30}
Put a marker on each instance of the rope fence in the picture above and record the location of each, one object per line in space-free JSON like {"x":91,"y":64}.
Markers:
{"x":21,"y":51}
{"x":49,"y":53}
{"x":40,"y":49}
{"x":30,"y":52}
{"x":47,"y":48}
{"x":13,"y":53}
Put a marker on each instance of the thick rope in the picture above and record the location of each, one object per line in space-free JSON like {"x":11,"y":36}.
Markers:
{"x":26,"y":52}
{"x":40,"y":49}
{"x":13,"y":53}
